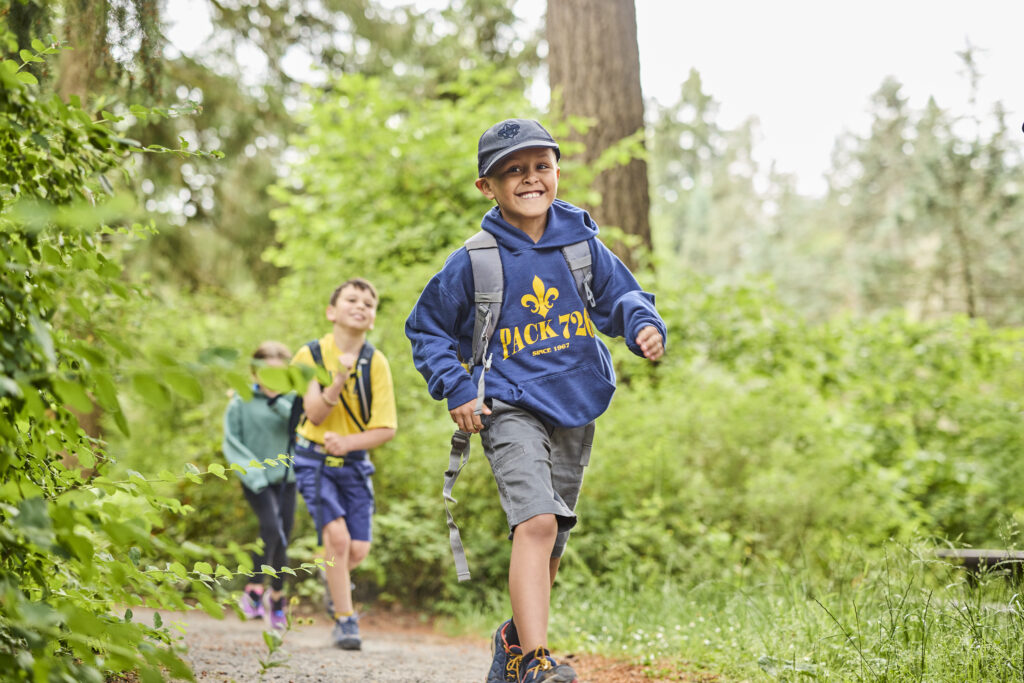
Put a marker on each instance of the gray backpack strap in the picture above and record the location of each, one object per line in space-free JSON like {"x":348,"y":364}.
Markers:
{"x":488,"y":286}
{"x":458,"y":459}
{"x":578,"y":257}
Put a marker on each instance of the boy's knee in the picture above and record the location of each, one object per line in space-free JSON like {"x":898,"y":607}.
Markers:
{"x":358,"y":552}
{"x":336,"y":536}
{"x":542,"y":527}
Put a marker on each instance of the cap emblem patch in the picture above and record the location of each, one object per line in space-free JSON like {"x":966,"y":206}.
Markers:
{"x":508,"y":130}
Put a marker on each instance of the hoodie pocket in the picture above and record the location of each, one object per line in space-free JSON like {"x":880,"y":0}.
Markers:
{"x":571,"y":398}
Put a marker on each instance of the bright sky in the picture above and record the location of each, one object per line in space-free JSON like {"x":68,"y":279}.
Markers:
{"x":804,"y":68}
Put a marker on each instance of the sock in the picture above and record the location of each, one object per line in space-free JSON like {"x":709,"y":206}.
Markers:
{"x":255,"y":595}
{"x":338,"y":616}
{"x":277,"y":604}
{"x":511,"y":634}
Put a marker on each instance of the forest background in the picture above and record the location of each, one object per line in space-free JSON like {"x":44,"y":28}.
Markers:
{"x":840,"y":399}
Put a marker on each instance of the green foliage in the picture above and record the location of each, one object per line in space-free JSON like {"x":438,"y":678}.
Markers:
{"x":77,"y":546}
{"x":894,"y":614}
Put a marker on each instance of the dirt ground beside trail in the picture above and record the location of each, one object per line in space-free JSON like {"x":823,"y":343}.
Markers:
{"x":397,"y":648}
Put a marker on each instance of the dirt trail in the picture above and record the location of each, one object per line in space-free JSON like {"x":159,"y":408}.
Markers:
{"x":396,"y":649}
{"x":230,"y":650}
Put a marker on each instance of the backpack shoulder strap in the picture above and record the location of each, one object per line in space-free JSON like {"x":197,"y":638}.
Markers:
{"x":364,"y":385}
{"x":316,"y":352}
{"x":318,"y":355}
{"x":488,"y":290}
{"x":578,"y":257}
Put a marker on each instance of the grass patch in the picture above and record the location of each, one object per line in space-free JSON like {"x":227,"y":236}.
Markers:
{"x":898,"y":615}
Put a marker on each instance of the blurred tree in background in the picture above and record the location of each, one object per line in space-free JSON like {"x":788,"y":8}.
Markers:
{"x":594,"y":71}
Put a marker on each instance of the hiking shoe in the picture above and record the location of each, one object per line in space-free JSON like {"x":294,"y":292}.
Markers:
{"x":346,"y":633}
{"x":505,"y":657}
{"x":278,"y":619}
{"x":541,"y":666}
{"x":251,"y":604}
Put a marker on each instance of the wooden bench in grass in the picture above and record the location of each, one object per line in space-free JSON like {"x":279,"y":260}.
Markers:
{"x":977,"y":560}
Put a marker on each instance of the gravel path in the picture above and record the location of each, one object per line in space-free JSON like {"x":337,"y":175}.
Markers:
{"x":396,"y":649}
{"x":230,"y":650}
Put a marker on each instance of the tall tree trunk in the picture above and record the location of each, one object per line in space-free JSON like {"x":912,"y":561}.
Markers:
{"x":594,"y":62}
{"x":86,"y":32}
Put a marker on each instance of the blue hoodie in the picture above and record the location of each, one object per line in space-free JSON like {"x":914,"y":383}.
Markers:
{"x":546,"y":358}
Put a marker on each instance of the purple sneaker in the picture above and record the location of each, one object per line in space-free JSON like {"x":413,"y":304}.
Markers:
{"x":251,"y":603}
{"x":278,"y":619}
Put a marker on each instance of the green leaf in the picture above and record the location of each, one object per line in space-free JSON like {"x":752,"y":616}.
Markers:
{"x":151,"y":390}
{"x":73,"y":394}
{"x":272,"y":639}
{"x":38,"y":45}
{"x":267,"y":569}
{"x":202,"y":568}
{"x":275,"y":378}
{"x":168,"y":476}
{"x":178,"y":569}
{"x":184,"y":385}
{"x":209,"y":605}
{"x":223,"y":572}
{"x":216,"y":469}
{"x":242,"y":384}
{"x":27,"y":77}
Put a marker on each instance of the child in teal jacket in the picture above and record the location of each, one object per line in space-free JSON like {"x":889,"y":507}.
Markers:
{"x":257,"y":429}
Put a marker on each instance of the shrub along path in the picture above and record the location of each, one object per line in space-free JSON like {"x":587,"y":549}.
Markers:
{"x":396,"y":649}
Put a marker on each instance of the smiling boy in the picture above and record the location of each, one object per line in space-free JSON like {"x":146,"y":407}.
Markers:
{"x":332,"y":461}
{"x":548,"y":377}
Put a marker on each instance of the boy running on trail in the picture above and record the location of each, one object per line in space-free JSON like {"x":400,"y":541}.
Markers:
{"x":332,"y":463}
{"x":257,"y":429}
{"x":547,"y":376}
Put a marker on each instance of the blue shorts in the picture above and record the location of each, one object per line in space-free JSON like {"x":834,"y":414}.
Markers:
{"x":333,"y":492}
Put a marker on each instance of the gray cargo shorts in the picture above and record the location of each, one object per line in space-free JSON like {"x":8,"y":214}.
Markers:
{"x":538,"y":468}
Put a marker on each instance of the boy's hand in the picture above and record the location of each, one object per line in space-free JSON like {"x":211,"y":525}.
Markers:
{"x":346,"y":361}
{"x":468,"y":422}
{"x":335,"y":443}
{"x":650,"y":342}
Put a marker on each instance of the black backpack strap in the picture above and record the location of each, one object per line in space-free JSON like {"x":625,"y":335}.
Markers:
{"x":364,"y":383}
{"x":318,"y":355}
{"x":294,"y":420}
{"x":364,"y":388}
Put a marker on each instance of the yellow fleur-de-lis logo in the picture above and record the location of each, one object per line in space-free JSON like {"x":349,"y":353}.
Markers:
{"x":541,"y":300}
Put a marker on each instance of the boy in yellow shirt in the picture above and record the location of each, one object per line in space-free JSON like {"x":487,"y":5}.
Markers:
{"x":332,"y":462}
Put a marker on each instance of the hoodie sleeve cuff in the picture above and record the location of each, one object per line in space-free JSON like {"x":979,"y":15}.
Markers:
{"x":464,"y":393}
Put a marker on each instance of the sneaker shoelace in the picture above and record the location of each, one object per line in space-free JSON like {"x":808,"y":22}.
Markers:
{"x":515,"y":659}
{"x":541,"y":661}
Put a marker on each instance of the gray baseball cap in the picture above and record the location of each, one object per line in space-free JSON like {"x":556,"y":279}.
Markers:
{"x":511,"y":135}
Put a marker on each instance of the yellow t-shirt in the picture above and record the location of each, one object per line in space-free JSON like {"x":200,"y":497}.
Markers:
{"x":382,"y":409}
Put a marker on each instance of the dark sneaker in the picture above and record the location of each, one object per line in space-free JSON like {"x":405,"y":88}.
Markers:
{"x":505,"y":657}
{"x":541,"y":666}
{"x":346,"y":633}
{"x":251,"y":604}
